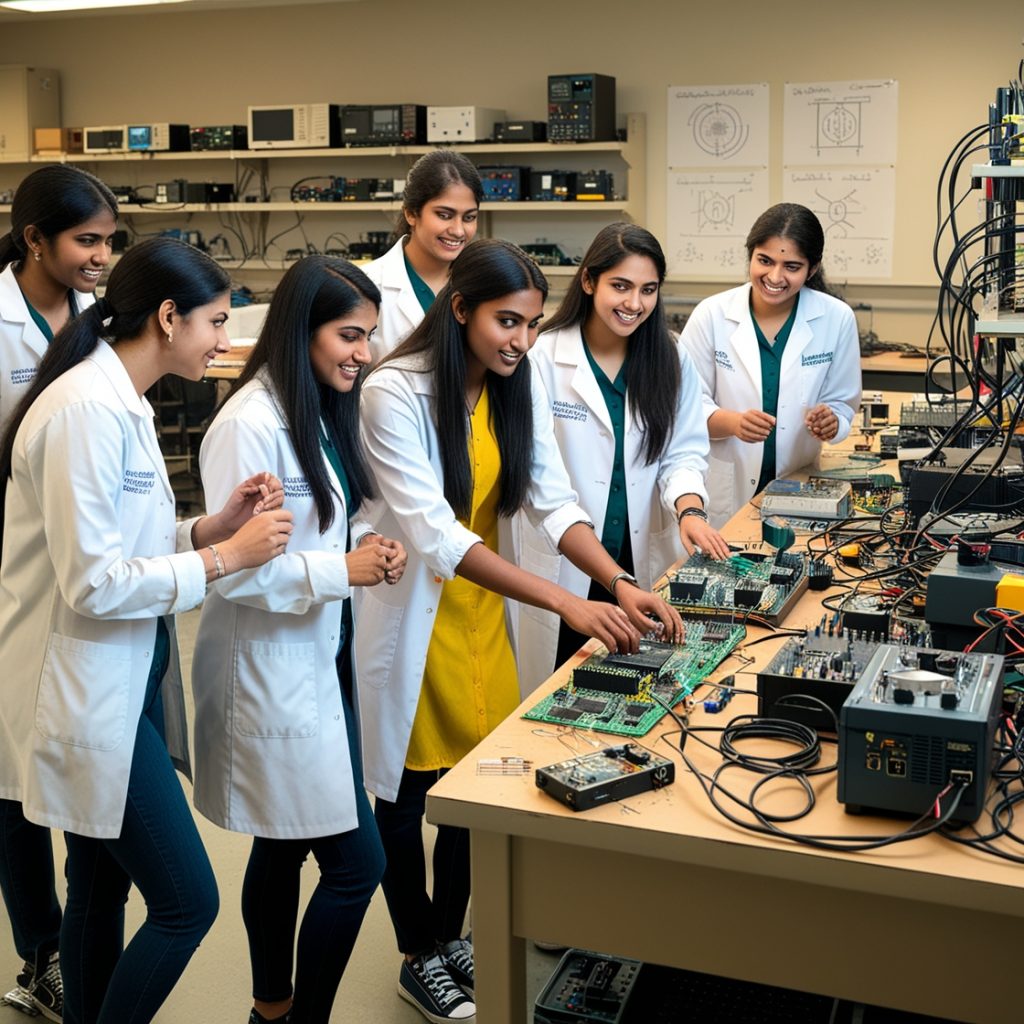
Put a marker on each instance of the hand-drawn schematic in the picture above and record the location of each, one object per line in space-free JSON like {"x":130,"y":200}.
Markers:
{"x":718,"y":125}
{"x":856,"y":207}
{"x":709,"y":215}
{"x":840,"y":123}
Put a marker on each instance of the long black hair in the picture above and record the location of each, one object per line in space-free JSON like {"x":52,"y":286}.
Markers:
{"x":800,"y":225}
{"x":654,"y":375}
{"x":429,"y":177}
{"x":487,"y":269}
{"x":53,"y":198}
{"x":314,"y":291}
{"x":147,"y":274}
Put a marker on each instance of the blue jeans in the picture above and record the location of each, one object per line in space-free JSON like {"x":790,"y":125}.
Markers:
{"x":351,"y":865}
{"x":26,"y":879}
{"x":422,"y":920}
{"x":160,"y":852}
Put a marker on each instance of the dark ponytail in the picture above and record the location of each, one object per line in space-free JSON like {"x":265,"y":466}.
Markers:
{"x":149,"y":273}
{"x":487,"y":269}
{"x":53,"y":199}
{"x":800,"y":225}
{"x":314,"y":291}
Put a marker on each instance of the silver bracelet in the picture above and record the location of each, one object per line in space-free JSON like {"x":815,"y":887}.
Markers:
{"x":218,"y":562}
{"x":628,"y":577}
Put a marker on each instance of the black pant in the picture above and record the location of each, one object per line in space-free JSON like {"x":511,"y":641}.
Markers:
{"x":422,"y":920}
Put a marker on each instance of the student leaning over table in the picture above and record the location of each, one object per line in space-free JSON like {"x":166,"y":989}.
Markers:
{"x":94,"y":568}
{"x":626,"y":402}
{"x":459,"y":438}
{"x":779,"y":359}
{"x":277,"y":751}
{"x":62,"y":223}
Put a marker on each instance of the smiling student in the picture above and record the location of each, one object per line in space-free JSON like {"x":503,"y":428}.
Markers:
{"x":459,"y":438}
{"x":784,"y":325}
{"x":277,"y":750}
{"x":440,"y":207}
{"x":62,"y":222}
{"x":94,"y":569}
{"x":627,"y":411}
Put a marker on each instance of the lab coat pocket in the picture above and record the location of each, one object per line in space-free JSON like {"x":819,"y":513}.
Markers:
{"x":275,"y":690}
{"x":666,"y":549}
{"x":376,"y":639}
{"x":812,"y":382}
{"x":721,"y":483}
{"x":83,"y":693}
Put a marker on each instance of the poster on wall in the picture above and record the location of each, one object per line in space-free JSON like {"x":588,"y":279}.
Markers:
{"x":718,"y":125}
{"x":709,"y":215}
{"x":856,"y":207}
{"x":840,"y":122}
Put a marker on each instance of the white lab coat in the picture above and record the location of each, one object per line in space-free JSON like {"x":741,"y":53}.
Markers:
{"x":22,"y":344}
{"x":585,"y":438}
{"x":396,"y":623}
{"x":821,"y":364}
{"x":400,"y":310}
{"x":271,"y":750}
{"x":89,"y":562}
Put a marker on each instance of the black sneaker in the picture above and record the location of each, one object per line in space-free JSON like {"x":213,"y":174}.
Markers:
{"x":20,"y":997}
{"x":47,"y":990}
{"x":426,"y":983}
{"x":255,"y":1017}
{"x":458,"y":958}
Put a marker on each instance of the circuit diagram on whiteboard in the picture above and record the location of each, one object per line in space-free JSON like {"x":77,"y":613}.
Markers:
{"x":840,"y":123}
{"x":719,"y":129}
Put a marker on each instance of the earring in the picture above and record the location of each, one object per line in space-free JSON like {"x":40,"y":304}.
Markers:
{"x":170,"y":338}
{"x":37,"y":254}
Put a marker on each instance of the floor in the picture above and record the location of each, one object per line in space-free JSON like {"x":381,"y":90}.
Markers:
{"x":215,"y":989}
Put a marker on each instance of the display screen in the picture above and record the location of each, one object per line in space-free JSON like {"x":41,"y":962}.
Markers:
{"x":140,"y":136}
{"x":273,"y":125}
{"x":105,"y":138}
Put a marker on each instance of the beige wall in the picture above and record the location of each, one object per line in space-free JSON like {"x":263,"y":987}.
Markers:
{"x":207,"y":67}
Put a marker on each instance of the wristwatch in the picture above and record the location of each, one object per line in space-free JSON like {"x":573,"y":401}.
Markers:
{"x":628,"y":577}
{"x":696,"y":510}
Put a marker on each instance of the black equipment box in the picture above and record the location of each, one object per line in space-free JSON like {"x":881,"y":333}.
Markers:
{"x":610,"y":774}
{"x":219,"y":136}
{"x":552,"y":186}
{"x":581,"y":108}
{"x":587,"y":987}
{"x":918,"y":719}
{"x":505,"y":184}
{"x":389,"y":124}
{"x":594,"y":185}
{"x":209,"y":192}
{"x":521,"y":131}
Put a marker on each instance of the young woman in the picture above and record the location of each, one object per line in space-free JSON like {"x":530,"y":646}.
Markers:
{"x":627,"y":414}
{"x":62,"y":221}
{"x":783,"y":325}
{"x":277,"y":753}
{"x":439,"y":214}
{"x":459,"y":439}
{"x":94,"y":568}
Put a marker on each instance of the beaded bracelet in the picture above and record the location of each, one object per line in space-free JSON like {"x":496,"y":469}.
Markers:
{"x":218,"y":562}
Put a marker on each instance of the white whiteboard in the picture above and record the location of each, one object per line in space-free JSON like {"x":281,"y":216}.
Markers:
{"x":709,"y":215}
{"x":857,"y":209}
{"x":840,"y":122}
{"x":718,"y":125}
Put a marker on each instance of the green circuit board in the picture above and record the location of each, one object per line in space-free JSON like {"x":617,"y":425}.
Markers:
{"x":613,"y":692}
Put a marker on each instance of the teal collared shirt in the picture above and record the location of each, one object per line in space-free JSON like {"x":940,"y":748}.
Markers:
{"x":771,"y":383}
{"x":41,"y":321}
{"x":616,"y":515}
{"x":334,"y":458}
{"x":420,"y":288}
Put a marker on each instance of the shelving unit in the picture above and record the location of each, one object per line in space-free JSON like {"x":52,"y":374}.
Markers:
{"x":260,"y":174}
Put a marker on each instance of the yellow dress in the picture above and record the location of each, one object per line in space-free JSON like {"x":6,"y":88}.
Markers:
{"x":470,"y":682}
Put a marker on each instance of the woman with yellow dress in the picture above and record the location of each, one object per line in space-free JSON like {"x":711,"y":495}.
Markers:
{"x":459,"y":440}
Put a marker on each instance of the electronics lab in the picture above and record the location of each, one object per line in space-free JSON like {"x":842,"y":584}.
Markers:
{"x":806,"y":813}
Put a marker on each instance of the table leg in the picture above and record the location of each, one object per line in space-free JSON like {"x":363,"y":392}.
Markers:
{"x":500,"y":956}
